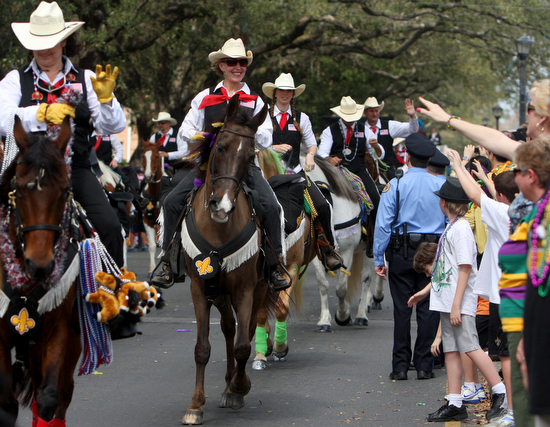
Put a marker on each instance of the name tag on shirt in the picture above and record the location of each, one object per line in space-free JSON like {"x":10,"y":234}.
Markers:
{"x":359,"y":134}
{"x":291,"y":127}
{"x":384,"y":132}
{"x":248,"y":104}
{"x":77,"y":87}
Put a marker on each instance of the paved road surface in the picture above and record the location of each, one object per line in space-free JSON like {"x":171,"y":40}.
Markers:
{"x":334,"y":379}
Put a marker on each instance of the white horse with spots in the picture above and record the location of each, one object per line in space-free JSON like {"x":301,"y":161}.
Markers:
{"x":360,"y":269}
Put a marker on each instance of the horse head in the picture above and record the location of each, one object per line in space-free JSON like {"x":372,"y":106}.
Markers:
{"x":230,"y":158}
{"x":40,"y":187}
{"x":151,"y":160}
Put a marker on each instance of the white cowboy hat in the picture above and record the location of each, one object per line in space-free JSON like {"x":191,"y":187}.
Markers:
{"x":397,"y":141}
{"x":284,"y":82}
{"x":231,"y":49}
{"x":46,"y":28}
{"x":348,"y":109}
{"x":165,"y":117}
{"x":372,"y":102}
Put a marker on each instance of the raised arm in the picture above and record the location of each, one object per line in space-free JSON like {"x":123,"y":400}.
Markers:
{"x":466,"y":181}
{"x":487,"y":137}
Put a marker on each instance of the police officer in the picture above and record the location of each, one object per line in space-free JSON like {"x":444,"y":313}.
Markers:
{"x":437,"y":165}
{"x":409,"y":214}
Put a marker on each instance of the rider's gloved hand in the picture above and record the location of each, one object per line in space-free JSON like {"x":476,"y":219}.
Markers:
{"x":104,"y":83}
{"x":54,"y":113}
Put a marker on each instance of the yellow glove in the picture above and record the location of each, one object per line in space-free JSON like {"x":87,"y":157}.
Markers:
{"x":104,"y":83}
{"x":54,"y":113}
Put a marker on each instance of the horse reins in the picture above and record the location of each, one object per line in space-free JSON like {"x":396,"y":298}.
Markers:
{"x":217,"y":178}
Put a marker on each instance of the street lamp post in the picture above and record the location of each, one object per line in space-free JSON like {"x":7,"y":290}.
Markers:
{"x":485,"y":121}
{"x":497,"y":112}
{"x":523,"y":45}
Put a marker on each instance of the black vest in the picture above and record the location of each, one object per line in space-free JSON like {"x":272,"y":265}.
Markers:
{"x":170,"y":146}
{"x":290,"y":137}
{"x":216,"y":113}
{"x":105,"y":150}
{"x":354,"y":162}
{"x":386,"y":141}
{"x":83,"y":128}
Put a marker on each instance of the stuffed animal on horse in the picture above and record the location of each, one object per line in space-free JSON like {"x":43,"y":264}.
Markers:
{"x":105,"y":296}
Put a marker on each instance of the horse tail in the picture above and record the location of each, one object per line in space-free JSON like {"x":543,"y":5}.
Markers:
{"x":337,"y":182}
{"x":269,"y":161}
{"x":21,"y":379}
{"x":354,"y":280}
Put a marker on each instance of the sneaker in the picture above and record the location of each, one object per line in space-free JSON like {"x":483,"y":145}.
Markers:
{"x":497,"y":400}
{"x":144,"y":248}
{"x":469,"y":396}
{"x":131,"y":249}
{"x":505,"y":420}
{"x":448,"y":413}
{"x":481,"y":392}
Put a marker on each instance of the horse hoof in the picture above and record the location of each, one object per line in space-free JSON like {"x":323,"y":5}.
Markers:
{"x":240,"y":391}
{"x":342,"y":322}
{"x":323,"y":328}
{"x":376,"y":306}
{"x":259,"y":365}
{"x":232,"y":400}
{"x":361,"y":321}
{"x":279,"y":356}
{"x":192,"y":417}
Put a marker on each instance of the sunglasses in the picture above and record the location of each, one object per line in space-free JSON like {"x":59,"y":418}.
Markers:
{"x":162,"y":123}
{"x":530,"y":108}
{"x":233,"y":62}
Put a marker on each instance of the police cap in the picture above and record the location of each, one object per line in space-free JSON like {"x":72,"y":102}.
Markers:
{"x":439,"y":160}
{"x":419,"y":146}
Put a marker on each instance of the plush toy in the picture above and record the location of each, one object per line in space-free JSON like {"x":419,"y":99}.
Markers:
{"x":128,"y":300}
{"x":105,"y":296}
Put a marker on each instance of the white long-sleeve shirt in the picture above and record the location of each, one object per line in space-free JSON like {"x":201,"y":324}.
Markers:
{"x":182,"y":145}
{"x":194,"y":122}
{"x":108,"y":119}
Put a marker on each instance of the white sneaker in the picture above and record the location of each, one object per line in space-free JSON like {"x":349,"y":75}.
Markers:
{"x":505,"y":420}
{"x":480,"y":392}
{"x":469,"y":396}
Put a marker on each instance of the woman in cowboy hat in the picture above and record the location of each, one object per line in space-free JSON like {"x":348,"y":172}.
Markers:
{"x":290,"y":128}
{"x":34,"y":94}
{"x":230,"y":62}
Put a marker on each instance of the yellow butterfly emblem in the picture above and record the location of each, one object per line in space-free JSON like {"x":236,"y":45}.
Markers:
{"x":23,"y":323}
{"x":204,"y":267}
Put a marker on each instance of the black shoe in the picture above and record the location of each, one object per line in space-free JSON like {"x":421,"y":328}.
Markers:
{"x":448,"y":413}
{"x":425,"y":375}
{"x":332,"y":263}
{"x":497,"y":399}
{"x":398,"y":376}
{"x":278,"y":282}
{"x":165,"y":278}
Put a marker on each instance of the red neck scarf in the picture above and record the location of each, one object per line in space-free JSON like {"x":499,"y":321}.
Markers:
{"x":210,"y":100}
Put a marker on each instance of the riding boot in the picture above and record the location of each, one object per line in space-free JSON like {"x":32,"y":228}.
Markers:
{"x":369,"y":237}
{"x":328,"y":256}
{"x":276,"y":279}
{"x":165,"y":277}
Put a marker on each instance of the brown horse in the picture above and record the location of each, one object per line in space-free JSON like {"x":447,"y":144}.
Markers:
{"x":35,"y":198}
{"x":301,"y":249}
{"x":153,"y":165}
{"x":222,"y":214}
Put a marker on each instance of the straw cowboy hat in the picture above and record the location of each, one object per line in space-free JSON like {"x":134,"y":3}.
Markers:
{"x":46,"y":28}
{"x":231,"y":49}
{"x":348,"y":109}
{"x":284,"y":82}
{"x":372,"y":102}
{"x":165,"y":117}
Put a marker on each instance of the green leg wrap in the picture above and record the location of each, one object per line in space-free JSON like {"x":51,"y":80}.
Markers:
{"x":280,"y":332}
{"x":261,"y":340}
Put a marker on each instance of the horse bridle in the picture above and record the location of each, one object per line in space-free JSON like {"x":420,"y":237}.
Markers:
{"x":217,"y":178}
{"x":150,"y":180}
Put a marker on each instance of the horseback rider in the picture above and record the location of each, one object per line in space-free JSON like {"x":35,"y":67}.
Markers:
{"x":290,"y":128}
{"x":36,"y":92}
{"x":209,"y":107}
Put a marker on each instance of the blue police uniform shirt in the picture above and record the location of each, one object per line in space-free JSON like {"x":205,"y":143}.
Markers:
{"x":418,"y":208}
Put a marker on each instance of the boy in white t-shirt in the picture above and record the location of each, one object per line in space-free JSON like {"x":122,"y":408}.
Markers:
{"x":451,"y":293}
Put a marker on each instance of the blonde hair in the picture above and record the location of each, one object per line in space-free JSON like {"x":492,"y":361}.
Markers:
{"x":541,"y":91}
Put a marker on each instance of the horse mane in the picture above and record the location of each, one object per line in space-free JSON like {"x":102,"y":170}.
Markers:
{"x":39,"y":153}
{"x":339,"y":184}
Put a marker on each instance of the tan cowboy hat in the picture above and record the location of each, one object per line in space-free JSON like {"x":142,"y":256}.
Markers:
{"x":397,"y":141}
{"x":165,"y":117}
{"x":348,"y":109}
{"x":284,"y":82}
{"x":372,"y":102}
{"x":46,"y":28}
{"x":231,"y":49}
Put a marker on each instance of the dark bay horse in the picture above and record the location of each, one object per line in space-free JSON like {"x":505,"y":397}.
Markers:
{"x":34,"y":201}
{"x":221,"y":213}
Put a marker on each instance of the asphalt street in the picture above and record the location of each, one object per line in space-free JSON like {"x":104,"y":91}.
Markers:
{"x":327,"y":379}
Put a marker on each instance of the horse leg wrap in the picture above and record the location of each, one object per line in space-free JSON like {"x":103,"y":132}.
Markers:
{"x":261,"y":340}
{"x":54,"y":422}
{"x":280,"y":332}
{"x":34,"y":408}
